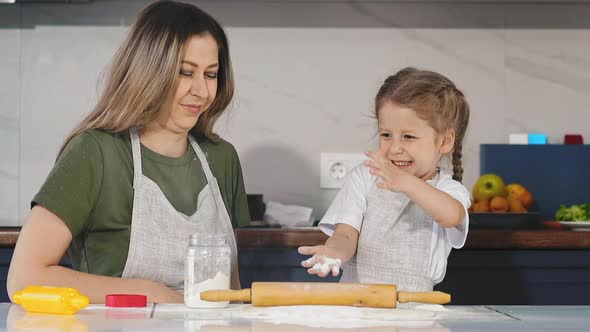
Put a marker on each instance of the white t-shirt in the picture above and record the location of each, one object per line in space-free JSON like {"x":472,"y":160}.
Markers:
{"x":350,"y":205}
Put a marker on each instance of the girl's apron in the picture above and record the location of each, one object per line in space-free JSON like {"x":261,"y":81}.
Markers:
{"x":394,"y":243}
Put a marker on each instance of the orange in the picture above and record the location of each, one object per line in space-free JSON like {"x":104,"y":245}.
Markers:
{"x":515,"y":189}
{"x":519,"y":192}
{"x":482,"y":205}
{"x":515,"y":204}
{"x":527,"y":199}
{"x":499,"y":204}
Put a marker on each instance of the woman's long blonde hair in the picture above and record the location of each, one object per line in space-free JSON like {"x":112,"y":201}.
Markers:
{"x":435,"y":99}
{"x":144,"y":70}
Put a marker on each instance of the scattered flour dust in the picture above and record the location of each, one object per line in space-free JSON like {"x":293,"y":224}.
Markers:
{"x":320,"y":316}
{"x":431,"y":307}
{"x":220,"y":281}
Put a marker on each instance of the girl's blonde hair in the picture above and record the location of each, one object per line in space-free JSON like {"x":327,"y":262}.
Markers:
{"x":435,"y":99}
{"x":144,"y":70}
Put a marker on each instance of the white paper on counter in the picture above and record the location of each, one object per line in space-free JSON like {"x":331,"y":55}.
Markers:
{"x":288,"y":215}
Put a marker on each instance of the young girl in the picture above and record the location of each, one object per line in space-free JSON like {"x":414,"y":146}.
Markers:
{"x":397,"y":217}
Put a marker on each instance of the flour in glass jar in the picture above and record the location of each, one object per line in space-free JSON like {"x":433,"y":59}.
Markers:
{"x":220,"y":281}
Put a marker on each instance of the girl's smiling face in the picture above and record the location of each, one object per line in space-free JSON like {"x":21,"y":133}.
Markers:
{"x":409,"y":142}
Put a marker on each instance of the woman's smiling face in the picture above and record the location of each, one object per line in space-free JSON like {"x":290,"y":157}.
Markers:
{"x":196,"y":86}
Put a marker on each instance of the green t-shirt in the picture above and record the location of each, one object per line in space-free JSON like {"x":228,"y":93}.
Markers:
{"x":91,"y":189}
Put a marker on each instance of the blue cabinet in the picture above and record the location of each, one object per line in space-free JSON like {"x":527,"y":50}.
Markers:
{"x":274,"y":264}
{"x":533,"y":277}
{"x":555,"y":174}
{"x":5,"y":257}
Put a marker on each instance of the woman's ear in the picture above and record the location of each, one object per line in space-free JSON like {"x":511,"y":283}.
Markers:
{"x":448,"y":142}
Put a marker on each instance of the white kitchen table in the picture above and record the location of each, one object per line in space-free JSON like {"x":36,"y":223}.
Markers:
{"x":165,"y":317}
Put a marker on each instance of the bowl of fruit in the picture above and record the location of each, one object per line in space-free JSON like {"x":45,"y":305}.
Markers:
{"x":497,"y":205}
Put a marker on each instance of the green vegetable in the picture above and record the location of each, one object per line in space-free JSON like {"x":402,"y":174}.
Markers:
{"x":576,"y":212}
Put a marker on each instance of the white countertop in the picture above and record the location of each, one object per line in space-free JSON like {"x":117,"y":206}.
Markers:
{"x":243,"y":317}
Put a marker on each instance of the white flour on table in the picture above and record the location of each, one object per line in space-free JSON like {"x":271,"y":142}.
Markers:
{"x":431,"y":307}
{"x":339,"y":316}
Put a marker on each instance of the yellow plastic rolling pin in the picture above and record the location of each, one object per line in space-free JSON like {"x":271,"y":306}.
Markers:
{"x":50,"y":300}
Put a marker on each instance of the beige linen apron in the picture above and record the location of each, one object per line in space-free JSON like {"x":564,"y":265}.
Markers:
{"x":394,"y":243}
{"x":160,"y":234}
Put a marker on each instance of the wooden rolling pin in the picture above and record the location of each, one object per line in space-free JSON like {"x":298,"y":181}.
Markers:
{"x":266,"y":294}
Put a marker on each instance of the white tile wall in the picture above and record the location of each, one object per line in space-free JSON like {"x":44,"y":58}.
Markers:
{"x":297,"y":97}
{"x":548,"y":83}
{"x":300,"y":90}
{"x":60,"y":85}
{"x":9,"y":118}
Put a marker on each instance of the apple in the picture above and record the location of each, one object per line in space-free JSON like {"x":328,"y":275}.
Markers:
{"x":488,"y":186}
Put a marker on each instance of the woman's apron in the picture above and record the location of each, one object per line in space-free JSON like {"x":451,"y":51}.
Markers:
{"x":159,"y":233}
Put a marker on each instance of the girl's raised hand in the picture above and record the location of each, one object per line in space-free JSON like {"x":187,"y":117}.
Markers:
{"x":392,"y":177}
{"x":321,"y":263}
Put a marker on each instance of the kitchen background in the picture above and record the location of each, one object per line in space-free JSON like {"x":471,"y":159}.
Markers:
{"x":306,"y":74}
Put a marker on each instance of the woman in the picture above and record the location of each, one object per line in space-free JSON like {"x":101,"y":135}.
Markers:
{"x":143,"y":170}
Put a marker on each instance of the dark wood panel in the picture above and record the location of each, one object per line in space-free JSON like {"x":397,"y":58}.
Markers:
{"x":8,"y":236}
{"x":477,"y":239}
{"x":527,"y":239}
{"x":279,"y":237}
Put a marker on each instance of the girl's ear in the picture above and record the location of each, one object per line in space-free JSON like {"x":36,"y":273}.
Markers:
{"x":448,"y":142}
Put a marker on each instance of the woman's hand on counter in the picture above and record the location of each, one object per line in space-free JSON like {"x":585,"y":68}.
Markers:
{"x":43,"y":241}
{"x":160,"y":293}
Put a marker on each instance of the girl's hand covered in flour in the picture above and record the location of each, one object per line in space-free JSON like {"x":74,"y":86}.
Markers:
{"x":320,"y":263}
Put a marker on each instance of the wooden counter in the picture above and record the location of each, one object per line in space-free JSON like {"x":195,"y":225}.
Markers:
{"x":8,"y":236}
{"x":477,"y":238}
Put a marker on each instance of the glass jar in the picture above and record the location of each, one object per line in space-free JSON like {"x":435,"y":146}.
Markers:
{"x":207,"y":266}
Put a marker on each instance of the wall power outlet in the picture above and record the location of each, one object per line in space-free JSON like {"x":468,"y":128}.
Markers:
{"x":334,"y":167}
